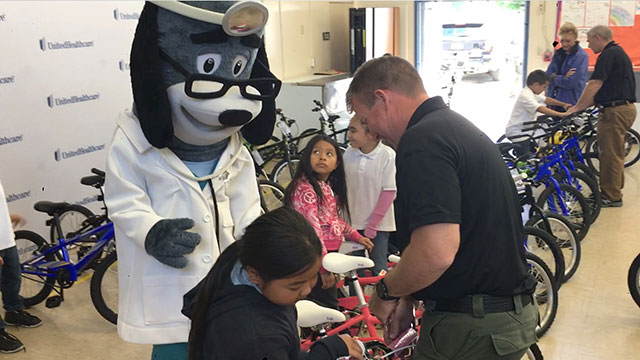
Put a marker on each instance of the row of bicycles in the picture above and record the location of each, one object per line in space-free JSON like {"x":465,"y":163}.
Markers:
{"x":556,"y":173}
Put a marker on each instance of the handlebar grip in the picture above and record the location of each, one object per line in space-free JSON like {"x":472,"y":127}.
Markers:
{"x":98,"y":172}
{"x":318,"y":103}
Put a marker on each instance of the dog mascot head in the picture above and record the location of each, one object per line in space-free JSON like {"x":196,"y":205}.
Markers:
{"x":199,"y":73}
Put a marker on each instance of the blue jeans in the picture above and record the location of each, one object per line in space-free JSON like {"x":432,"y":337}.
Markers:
{"x":10,"y":282}
{"x":378,"y":254}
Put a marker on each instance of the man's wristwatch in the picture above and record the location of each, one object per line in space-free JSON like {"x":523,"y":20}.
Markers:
{"x":383,"y":293}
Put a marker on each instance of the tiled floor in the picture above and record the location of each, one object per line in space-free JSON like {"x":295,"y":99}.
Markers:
{"x":597,"y":318}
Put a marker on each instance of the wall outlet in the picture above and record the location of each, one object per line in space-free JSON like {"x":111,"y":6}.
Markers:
{"x":313,"y":62}
{"x":326,"y":36}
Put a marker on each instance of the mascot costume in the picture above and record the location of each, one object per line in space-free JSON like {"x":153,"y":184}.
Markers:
{"x":180,"y":185}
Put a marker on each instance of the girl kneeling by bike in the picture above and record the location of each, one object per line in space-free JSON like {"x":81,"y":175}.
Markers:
{"x":245,"y":307}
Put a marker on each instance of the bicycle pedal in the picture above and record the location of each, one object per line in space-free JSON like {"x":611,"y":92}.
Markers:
{"x":54,"y":301}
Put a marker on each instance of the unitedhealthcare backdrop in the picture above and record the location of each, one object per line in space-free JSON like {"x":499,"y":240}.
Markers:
{"x":64,"y":78}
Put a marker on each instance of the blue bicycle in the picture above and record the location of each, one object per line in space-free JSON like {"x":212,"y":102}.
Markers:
{"x":48,"y":267}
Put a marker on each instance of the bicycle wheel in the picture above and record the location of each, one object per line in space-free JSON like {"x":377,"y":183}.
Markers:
{"x":566,"y":237}
{"x":634,"y":280}
{"x":586,"y":169}
{"x":578,"y":212}
{"x":104,"y":287}
{"x":71,"y":221}
{"x":281,"y":174}
{"x":545,"y":294}
{"x":591,"y":154}
{"x":34,"y":288}
{"x":533,"y":353}
{"x":544,"y":245}
{"x":631,"y":147}
{"x":587,"y":187}
{"x":271,"y":195}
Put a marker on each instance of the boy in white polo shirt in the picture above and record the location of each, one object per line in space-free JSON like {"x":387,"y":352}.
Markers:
{"x":371,"y":188}
{"x":531,"y":101}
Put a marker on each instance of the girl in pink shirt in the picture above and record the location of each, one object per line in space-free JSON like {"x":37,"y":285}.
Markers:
{"x":319,"y":192}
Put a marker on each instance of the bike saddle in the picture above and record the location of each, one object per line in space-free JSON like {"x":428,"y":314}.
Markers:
{"x":311,"y":314}
{"x":350,"y":246}
{"x":50,"y":207}
{"x":341,"y":263}
{"x":93,"y":180}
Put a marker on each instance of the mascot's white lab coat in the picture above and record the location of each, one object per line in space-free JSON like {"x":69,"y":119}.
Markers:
{"x":146,"y":184}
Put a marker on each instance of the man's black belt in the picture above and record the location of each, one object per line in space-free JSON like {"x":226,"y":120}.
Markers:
{"x":491,"y":304}
{"x":615,"y":103}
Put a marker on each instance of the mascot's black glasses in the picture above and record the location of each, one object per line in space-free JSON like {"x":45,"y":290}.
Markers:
{"x":203,"y":86}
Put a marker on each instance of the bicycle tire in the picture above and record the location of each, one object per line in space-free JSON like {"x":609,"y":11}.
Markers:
{"x":545,"y":246}
{"x":29,"y":245}
{"x":71,"y":220}
{"x":590,"y":190}
{"x":565,"y":234}
{"x":631,"y":140}
{"x":587,"y":170}
{"x":632,"y":147}
{"x":579,"y":214}
{"x":271,"y":195}
{"x":591,"y":155}
{"x":633,"y":280}
{"x":545,"y":294}
{"x":280,"y":173}
{"x":534,"y":353}
{"x":96,"y":288}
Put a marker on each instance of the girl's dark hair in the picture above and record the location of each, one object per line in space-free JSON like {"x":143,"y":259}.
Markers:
{"x":278,"y":245}
{"x":337,"y":179}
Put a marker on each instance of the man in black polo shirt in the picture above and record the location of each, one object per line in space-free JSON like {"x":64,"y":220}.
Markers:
{"x":457,"y":219}
{"x":613,"y":86}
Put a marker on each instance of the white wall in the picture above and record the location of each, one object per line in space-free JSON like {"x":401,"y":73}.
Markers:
{"x":294,"y":40}
{"x":49,"y":139}
{"x":542,"y":29}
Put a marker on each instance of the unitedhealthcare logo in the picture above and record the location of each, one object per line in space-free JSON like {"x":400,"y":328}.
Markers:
{"x":118,"y":15}
{"x":64,"y":45}
{"x":4,"y":140}
{"x":123,"y":65}
{"x":18,"y":196}
{"x":7,"y":79}
{"x":54,"y":101}
{"x":60,"y":155}
{"x":87,"y":200}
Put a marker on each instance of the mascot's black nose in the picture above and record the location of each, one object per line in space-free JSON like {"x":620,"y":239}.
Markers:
{"x":234,"y":117}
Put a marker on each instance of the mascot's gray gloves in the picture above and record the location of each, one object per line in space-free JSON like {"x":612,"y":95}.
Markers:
{"x":168,"y":241}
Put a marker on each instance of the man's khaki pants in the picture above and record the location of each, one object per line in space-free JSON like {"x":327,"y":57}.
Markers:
{"x":613,"y":124}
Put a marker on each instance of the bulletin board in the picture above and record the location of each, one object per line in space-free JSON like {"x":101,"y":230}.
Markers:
{"x":623,"y":17}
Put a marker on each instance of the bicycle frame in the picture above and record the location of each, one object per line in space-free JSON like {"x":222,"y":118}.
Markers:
{"x":365,"y":316}
{"x":38,"y":265}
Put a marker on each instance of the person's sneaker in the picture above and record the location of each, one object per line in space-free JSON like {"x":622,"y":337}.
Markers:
{"x":611,"y":203}
{"x":9,"y":343}
{"x":22,"y":318}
